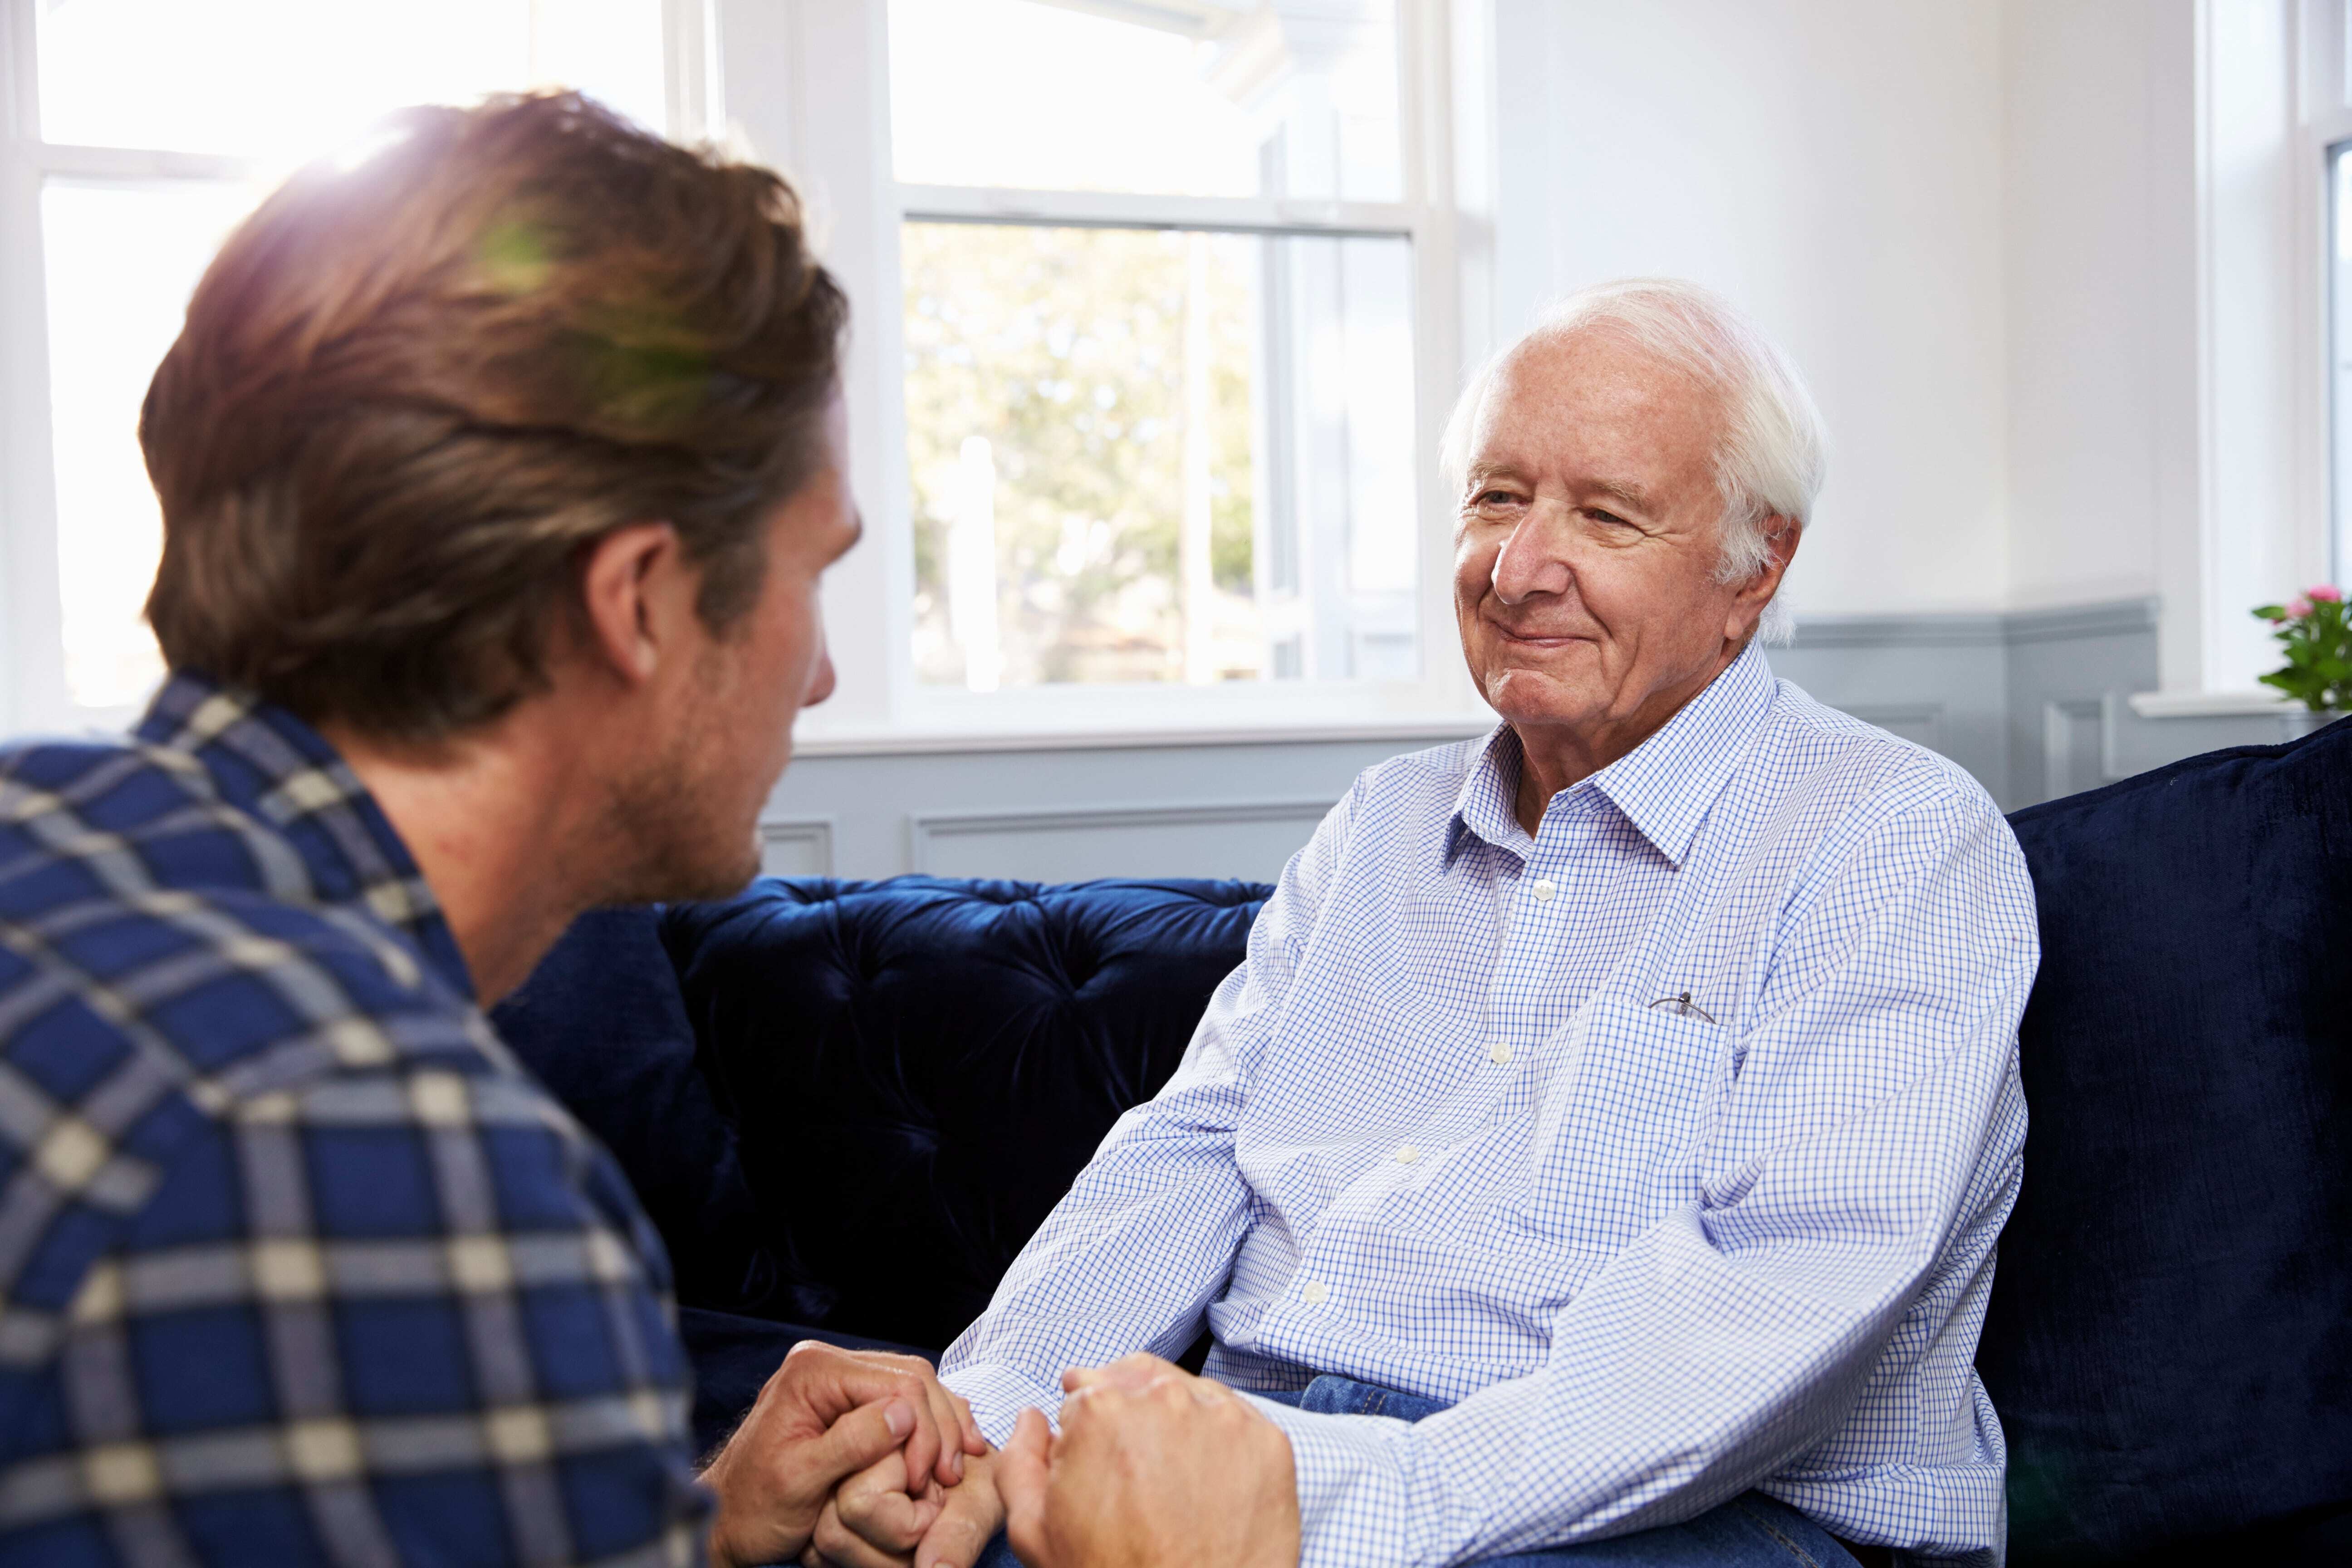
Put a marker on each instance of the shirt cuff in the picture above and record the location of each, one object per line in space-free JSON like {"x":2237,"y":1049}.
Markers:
{"x":998,"y":1395}
{"x":1353,"y":1492}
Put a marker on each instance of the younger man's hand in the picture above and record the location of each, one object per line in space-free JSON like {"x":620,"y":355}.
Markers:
{"x":1153,"y":1469}
{"x":825,"y":1414}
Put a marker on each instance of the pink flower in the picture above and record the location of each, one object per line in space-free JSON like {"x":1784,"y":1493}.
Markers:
{"x":2331,"y":596}
{"x":2297,"y":608}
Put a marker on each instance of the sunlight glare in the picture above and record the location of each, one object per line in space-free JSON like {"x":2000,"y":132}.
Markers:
{"x":274,"y":83}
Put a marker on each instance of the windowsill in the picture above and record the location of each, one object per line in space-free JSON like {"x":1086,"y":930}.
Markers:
{"x":1430,"y":729}
{"x":2243,"y":704}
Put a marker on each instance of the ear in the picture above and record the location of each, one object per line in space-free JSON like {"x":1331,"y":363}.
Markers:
{"x":1781,"y":537}
{"x":631,"y":584}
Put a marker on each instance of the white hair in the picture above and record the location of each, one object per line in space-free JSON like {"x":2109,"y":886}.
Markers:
{"x":1772,"y":455}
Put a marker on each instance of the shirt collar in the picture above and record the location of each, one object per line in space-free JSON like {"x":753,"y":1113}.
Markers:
{"x":1484,"y":809}
{"x":1665,"y":786}
{"x":266,"y":762}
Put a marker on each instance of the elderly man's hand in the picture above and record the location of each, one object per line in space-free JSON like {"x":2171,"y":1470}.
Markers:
{"x":1153,"y":1469}
{"x":873,"y":1522}
{"x":827,"y":1413}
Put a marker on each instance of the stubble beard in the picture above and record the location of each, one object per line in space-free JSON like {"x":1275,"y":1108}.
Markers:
{"x":682,"y":839}
{"x":676,"y":847}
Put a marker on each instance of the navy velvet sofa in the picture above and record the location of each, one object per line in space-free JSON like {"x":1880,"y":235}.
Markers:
{"x":847,"y":1104}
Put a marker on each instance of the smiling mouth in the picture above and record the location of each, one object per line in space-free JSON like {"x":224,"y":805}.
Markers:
{"x":1539,"y":640}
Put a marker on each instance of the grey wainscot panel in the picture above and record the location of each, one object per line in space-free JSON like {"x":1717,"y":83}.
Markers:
{"x":2032,"y":703}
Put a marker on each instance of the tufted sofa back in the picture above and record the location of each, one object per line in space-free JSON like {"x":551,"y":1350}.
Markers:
{"x":848,"y":1104}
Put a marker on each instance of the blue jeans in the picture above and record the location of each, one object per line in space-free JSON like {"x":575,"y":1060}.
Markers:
{"x":1751,"y":1531}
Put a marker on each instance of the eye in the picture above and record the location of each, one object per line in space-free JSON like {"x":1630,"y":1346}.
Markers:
{"x":1597,"y":515}
{"x":1494,"y":497}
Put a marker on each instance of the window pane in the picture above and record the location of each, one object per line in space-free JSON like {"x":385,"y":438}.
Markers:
{"x":277,"y":79}
{"x":1143,"y":455}
{"x":1254,"y":98}
{"x":122,"y":260}
{"x":284,"y":80}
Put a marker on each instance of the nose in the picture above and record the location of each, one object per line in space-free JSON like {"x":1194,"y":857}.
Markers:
{"x":821,"y":678}
{"x":1532,"y":562}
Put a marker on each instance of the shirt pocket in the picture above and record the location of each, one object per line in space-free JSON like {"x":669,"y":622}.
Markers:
{"x":1613,"y":1145}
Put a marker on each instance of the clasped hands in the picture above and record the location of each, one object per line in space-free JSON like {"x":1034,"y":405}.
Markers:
{"x":855,"y":1459}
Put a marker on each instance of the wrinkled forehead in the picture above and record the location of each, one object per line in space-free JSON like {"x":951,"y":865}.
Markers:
{"x":1592,"y":391}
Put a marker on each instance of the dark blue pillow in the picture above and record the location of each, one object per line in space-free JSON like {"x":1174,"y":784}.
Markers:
{"x":918,"y":1068}
{"x":2169,"y":1342}
{"x":600,"y":1023}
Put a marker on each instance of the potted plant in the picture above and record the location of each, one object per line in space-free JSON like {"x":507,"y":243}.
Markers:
{"x":2317,"y":635}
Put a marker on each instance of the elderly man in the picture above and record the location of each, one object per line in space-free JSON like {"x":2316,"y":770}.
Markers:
{"x":1601,"y":1152}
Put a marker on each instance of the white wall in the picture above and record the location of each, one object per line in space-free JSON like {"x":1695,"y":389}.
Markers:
{"x":2166,"y":385}
{"x":2100,"y":243}
{"x":1835,"y":167}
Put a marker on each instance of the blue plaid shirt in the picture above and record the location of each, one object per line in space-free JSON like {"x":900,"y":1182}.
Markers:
{"x":1668,"y":1145}
{"x":297,"y":1265}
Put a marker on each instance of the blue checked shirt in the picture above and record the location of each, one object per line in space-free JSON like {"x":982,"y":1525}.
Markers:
{"x":1453,"y":1129}
{"x":297,"y":1265}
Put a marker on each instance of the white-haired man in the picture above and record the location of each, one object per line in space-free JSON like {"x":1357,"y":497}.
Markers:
{"x":1600,"y":1155}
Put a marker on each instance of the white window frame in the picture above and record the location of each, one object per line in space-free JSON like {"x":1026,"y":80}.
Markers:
{"x":2327,"y":125}
{"x":33,"y":692}
{"x":803,"y":84}
{"x":2269,"y":101}
{"x":806,"y":88}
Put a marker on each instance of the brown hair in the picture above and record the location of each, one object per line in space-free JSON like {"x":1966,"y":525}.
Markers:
{"x":410,"y":394}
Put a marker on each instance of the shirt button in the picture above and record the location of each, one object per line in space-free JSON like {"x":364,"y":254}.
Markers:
{"x":1543,"y":888}
{"x":1315,"y":1292}
{"x":1499,"y":1053}
{"x":1406,"y":1154}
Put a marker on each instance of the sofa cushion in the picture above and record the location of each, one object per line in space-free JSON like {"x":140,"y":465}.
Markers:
{"x":917,"y":1068}
{"x":2169,"y":1340}
{"x":600,"y":1023}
